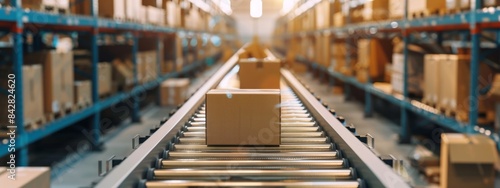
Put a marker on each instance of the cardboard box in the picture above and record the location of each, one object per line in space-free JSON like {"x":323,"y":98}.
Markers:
{"x":81,"y":7}
{"x":154,"y":15}
{"x":83,"y":92}
{"x":105,"y":76}
{"x":28,"y":177}
{"x":373,"y":55}
{"x":104,"y":72}
{"x":58,"y":78}
{"x":454,"y":86}
{"x":173,"y":12}
{"x":415,"y":74}
{"x":112,"y":9}
{"x":174,"y":92}
{"x":396,"y":9}
{"x":32,"y":93}
{"x":122,"y":74}
{"x":133,"y":10}
{"x":431,"y":80}
{"x":376,"y":10}
{"x":154,"y":3}
{"x":467,"y":161}
{"x":338,"y":19}
{"x":243,"y":117}
{"x":425,"y":6}
{"x":323,"y":15}
{"x":259,"y":74}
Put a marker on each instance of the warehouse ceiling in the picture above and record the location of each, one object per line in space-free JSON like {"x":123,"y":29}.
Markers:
{"x":246,"y":25}
{"x":270,"y":6}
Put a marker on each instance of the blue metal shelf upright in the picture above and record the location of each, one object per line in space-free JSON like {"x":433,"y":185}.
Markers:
{"x":15,"y":18}
{"x":472,"y":23}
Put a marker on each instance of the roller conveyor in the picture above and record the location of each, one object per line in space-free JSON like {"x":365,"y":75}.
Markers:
{"x":311,"y":153}
{"x":305,"y":154}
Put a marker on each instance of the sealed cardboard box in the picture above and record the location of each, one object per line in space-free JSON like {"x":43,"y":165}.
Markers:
{"x":259,"y":74}
{"x":421,"y":6}
{"x":174,"y":92}
{"x":376,"y":10}
{"x":83,"y":92}
{"x":243,"y":117}
{"x":58,"y":78}
{"x":122,"y":74}
{"x":467,"y":161}
{"x":105,"y":76}
{"x":396,"y":9}
{"x":32,"y":93}
{"x":28,"y":177}
{"x":104,"y":72}
{"x":111,"y":9}
{"x":431,"y":73}
{"x":373,"y":55}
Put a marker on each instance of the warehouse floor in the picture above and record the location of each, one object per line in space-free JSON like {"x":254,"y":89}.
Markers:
{"x":119,"y":142}
{"x":83,"y":172}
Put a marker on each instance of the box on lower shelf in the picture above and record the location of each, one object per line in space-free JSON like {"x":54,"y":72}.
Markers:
{"x":33,"y":85}
{"x":173,"y":91}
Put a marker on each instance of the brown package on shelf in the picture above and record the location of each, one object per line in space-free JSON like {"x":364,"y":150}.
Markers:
{"x":423,"y":8}
{"x":373,"y":55}
{"x":104,"y":72}
{"x":376,"y":10}
{"x":33,"y":85}
{"x":58,"y":79}
{"x":122,"y":74}
{"x":259,"y":74}
{"x":114,"y":9}
{"x":27,"y":177}
{"x":83,"y":93}
{"x":174,"y":91}
{"x":454,"y":88}
{"x":242,"y":117}
{"x":467,"y":161}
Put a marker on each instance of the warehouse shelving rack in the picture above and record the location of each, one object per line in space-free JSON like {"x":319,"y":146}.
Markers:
{"x":15,"y":18}
{"x":471,"y":22}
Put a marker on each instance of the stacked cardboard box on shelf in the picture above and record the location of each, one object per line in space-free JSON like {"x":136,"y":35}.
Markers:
{"x":396,"y":9}
{"x":376,"y":10}
{"x":58,"y":79}
{"x":421,"y":8}
{"x":32,"y":85}
{"x":104,"y":72}
{"x":56,"y":6}
{"x":154,"y":15}
{"x":133,"y":10}
{"x":110,"y":9}
{"x":123,"y":76}
{"x":173,"y":92}
{"x":447,"y":79}
{"x":373,"y":55}
{"x":83,"y":93}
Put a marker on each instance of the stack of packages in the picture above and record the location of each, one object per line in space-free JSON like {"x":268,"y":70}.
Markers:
{"x":235,"y":117}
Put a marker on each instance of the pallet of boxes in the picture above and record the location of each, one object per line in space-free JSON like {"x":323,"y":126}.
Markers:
{"x":238,"y":117}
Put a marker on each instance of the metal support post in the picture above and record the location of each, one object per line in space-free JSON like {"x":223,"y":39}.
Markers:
{"x":405,"y":133}
{"x":135,"y":98}
{"x":474,"y":66}
{"x":96,"y":117}
{"x":159,"y":61}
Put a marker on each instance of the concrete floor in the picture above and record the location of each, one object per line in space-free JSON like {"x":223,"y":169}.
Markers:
{"x":118,"y":142}
{"x":83,"y":172}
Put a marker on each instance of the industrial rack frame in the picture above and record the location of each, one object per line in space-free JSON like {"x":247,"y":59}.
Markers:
{"x":472,"y":22}
{"x":15,"y":18}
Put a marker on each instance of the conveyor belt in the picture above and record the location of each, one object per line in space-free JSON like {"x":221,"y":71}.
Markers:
{"x":306,"y":155}
{"x":316,"y":150}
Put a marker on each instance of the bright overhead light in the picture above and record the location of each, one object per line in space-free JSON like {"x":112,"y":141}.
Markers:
{"x":256,"y":8}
